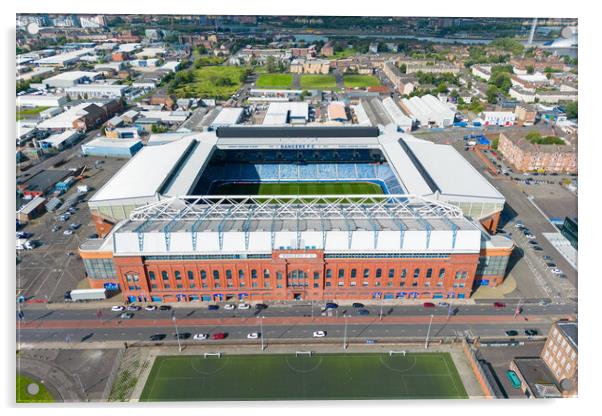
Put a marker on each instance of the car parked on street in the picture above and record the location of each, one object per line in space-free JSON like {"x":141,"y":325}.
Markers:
{"x":133,"y":308}
{"x":531,"y":332}
{"x":253,"y":335}
{"x":182,"y":335}
{"x":164,"y":308}
{"x":243,"y":306}
{"x":126,"y":315}
{"x":219,"y":335}
{"x":319,"y":334}
{"x":213,"y":307}
{"x":357,"y":305}
{"x":117,"y":308}
{"x":150,"y":308}
{"x":511,"y":333}
{"x":200,"y":337}
{"x":229,"y":306}
{"x":428,"y":305}
{"x":157,"y":337}
{"x":499,"y":305}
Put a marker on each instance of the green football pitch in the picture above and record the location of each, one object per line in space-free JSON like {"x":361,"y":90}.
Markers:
{"x":319,"y":377}
{"x":298,"y":188}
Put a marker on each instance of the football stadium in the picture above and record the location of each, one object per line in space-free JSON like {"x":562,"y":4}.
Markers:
{"x":296,"y":213}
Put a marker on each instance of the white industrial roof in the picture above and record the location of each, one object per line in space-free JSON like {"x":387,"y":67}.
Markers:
{"x":65,"y":120}
{"x":360,"y":115}
{"x":143,"y":176}
{"x":56,"y":140}
{"x":61,"y":58}
{"x":162,"y":138}
{"x":278,"y":112}
{"x":172,"y":65}
{"x":109,"y":142}
{"x":171,"y":116}
{"x":452,"y":173}
{"x":40,"y":100}
{"x":536,"y":77}
{"x":191,"y":170}
{"x":428,"y":109}
{"x":103,"y":88}
{"x":396,"y":115}
{"x":128,"y":47}
{"x":72,"y":76}
{"x":228,"y":116}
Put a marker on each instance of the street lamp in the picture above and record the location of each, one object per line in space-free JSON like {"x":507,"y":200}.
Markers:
{"x":517,"y":310}
{"x":261,"y":334}
{"x":426,"y":342}
{"x":175,"y":323}
{"x":345,"y":333}
{"x":380,"y":317}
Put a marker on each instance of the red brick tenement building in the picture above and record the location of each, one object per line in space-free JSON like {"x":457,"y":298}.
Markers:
{"x":439,"y":255}
{"x":527,"y":156}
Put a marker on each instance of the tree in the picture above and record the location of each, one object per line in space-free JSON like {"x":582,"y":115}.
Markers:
{"x":571,"y":110}
{"x":530,"y":69}
{"x":403,"y":68}
{"x":492,"y":93}
{"x":270,"y":64}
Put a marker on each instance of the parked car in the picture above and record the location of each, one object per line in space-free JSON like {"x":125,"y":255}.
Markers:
{"x":150,"y":308}
{"x":200,"y":337}
{"x":442,"y":304}
{"x":512,"y":333}
{"x":67,"y":232}
{"x":551,"y":265}
{"x":74,"y":226}
{"x":544,"y":302}
{"x":499,"y":305}
{"x":243,"y":306}
{"x":126,"y":315}
{"x":219,"y":335}
{"x":357,"y":305}
{"x":118,"y":308}
{"x":92,"y":236}
{"x":157,"y":337}
{"x":547,"y":258}
{"x":253,"y":335}
{"x":213,"y":307}
{"x":261,"y":306}
{"x":182,"y":335}
{"x":531,"y":332}
{"x":533,"y":243}
{"x":513,"y":378}
{"x":164,"y":308}
{"x":364,"y":312}
{"x":331,"y":305}
{"x":556,"y":270}
{"x":229,"y":306}
{"x":319,"y":334}
{"x":55,"y":228}
{"x":133,"y":308}
{"x":428,"y":305}
{"x":536,"y":248}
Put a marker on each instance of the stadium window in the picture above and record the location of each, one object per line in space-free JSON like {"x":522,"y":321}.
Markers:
{"x":341,"y":283}
{"x":416,"y":273}
{"x":365,"y":283}
{"x":457,"y":276}
{"x":439,"y":284}
{"x":131,"y":287}
{"x":178,"y":275}
{"x":266,"y":273}
{"x":464,"y":275}
{"x":402,"y":284}
{"x":415,"y":284}
{"x":279,"y":286}
{"x":316,"y":285}
{"x":166,"y":286}
{"x":341,"y":273}
{"x":229,"y":283}
{"x":353,"y":283}
{"x":179,"y":285}
{"x":327,"y":283}
{"x":403,"y":273}
{"x":353,"y":273}
{"x":429,"y":273}
{"x":241,"y":284}
{"x":253,"y":274}
{"x":366,"y":272}
{"x":153,"y":286}
{"x":328,"y":273}
{"x":203,"y":274}
{"x":192,"y":286}
{"x":151,"y":275}
{"x":389,"y":283}
{"x":379,"y":273}
{"x":228,"y":274}
{"x":279,"y":275}
{"x":217,"y":286}
{"x":204,"y":285}
{"x":216,"y":274}
{"x":391,"y":273}
{"x":316,"y":275}
{"x":164,"y":275}
{"x":441,"y":273}
{"x":190,"y":275}
{"x":376,"y":283}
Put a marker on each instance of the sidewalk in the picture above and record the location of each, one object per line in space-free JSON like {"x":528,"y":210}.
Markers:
{"x":508,"y":286}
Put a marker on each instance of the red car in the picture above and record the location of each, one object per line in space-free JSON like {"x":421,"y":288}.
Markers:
{"x":218,"y":335}
{"x":428,"y":304}
{"x":499,"y":305}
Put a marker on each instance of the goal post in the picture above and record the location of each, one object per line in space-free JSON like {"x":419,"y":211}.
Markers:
{"x":212,"y":354}
{"x":302,"y":353}
{"x":400,"y":352}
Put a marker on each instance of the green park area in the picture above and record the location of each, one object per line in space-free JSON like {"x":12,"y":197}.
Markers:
{"x":218,"y":82}
{"x":304,"y":377}
{"x":28,"y":112}
{"x":360,"y":81}
{"x":311,"y":82}
{"x":32,"y":391}
{"x":274,"y":81}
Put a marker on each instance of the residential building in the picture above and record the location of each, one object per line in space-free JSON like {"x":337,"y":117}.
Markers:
{"x":310,"y":66}
{"x":560,"y":353}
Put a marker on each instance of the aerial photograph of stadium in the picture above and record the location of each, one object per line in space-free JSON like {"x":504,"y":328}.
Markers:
{"x":216,"y":208}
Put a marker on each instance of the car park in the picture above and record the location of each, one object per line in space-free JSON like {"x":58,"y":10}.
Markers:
{"x":536,"y":248}
{"x":126,"y":315}
{"x":133,"y":308}
{"x":219,"y":335}
{"x":243,"y":306}
{"x":551,"y":265}
{"x":428,"y":305}
{"x":157,"y":337}
{"x":556,"y":270}
{"x":253,"y":335}
{"x":200,"y":337}
{"x":150,"y":308}
{"x":74,"y":226}
{"x":182,"y":335}
{"x":229,"y":306}
{"x":117,"y":308}
{"x":357,"y":305}
{"x":519,"y":225}
{"x":67,"y":232}
{"x":533,"y":243}
{"x":499,"y":305}
{"x":164,"y":308}
{"x":511,"y":333}
{"x":319,"y":334}
{"x":213,"y":307}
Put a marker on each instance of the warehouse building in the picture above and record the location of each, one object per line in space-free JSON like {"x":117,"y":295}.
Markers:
{"x":31,"y":209}
{"x":62,"y":140}
{"x":336,"y":111}
{"x":103,"y":147}
{"x":70,"y":79}
{"x":285,"y":113}
{"x":428,"y":111}
{"x":89,"y":91}
{"x":228,"y":116}
{"x":41,"y":100}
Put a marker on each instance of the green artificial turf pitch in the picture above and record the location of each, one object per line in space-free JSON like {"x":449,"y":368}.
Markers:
{"x":320,"y":377}
{"x":298,"y":188}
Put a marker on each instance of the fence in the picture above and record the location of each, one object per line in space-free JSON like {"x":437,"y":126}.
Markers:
{"x":112,"y":376}
{"x":478,"y":371}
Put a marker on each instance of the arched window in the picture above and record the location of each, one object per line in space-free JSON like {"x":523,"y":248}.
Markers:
{"x":441,"y":273}
{"x":429,"y":273}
